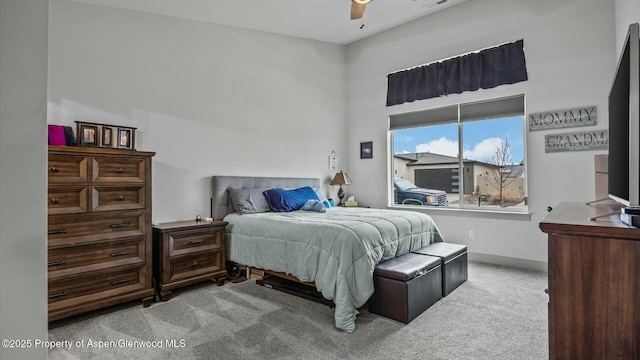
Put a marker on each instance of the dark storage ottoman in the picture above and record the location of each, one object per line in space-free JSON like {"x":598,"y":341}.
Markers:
{"x":406,"y":286}
{"x":454,"y":263}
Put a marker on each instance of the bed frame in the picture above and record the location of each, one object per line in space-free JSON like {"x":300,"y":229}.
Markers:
{"x":221,"y":204}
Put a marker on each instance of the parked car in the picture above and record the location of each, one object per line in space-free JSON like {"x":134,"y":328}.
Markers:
{"x":406,"y":192}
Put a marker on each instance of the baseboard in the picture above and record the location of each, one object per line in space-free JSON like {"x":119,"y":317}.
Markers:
{"x":509,"y":261}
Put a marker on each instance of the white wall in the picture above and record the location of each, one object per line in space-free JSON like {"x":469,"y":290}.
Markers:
{"x":626,"y":12}
{"x":569,"y":50}
{"x":207,"y":99}
{"x":23,"y":177}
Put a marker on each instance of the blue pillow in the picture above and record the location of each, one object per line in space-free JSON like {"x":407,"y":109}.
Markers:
{"x":314,"y":205}
{"x":281,"y":200}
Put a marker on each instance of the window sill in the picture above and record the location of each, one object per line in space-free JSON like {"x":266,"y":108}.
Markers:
{"x":468,"y":211}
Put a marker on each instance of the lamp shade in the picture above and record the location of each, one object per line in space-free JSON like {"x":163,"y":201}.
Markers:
{"x":341,"y":179}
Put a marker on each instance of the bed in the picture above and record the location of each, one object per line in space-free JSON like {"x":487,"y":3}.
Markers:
{"x":336,"y":250}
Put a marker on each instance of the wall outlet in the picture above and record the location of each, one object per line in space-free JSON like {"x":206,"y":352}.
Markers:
{"x":472,"y":234}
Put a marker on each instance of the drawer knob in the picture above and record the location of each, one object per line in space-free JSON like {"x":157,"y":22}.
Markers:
{"x":55,"y":169}
{"x":55,"y":200}
{"x":119,"y":253}
{"x":58,"y":294}
{"x":119,"y":170}
{"x":123,"y":225}
{"x":58,"y":231}
{"x":195,"y":263}
{"x":119,"y":197}
{"x":195,"y":242}
{"x":57,"y":262}
{"x":119,"y":281}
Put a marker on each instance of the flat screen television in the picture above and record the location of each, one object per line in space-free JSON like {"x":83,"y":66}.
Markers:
{"x":624,"y":125}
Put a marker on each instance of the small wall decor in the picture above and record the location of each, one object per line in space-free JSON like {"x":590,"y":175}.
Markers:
{"x":333,"y":161}
{"x":579,"y":141}
{"x":584,"y":116}
{"x":104,"y":135}
{"x":366,"y":150}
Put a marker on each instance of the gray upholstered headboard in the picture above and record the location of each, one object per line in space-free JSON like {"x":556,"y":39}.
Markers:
{"x":220,"y":205}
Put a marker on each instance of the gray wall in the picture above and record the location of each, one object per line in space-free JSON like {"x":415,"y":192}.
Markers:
{"x":627,"y":12}
{"x":23,"y":177}
{"x":570,"y":54}
{"x":208,"y":99}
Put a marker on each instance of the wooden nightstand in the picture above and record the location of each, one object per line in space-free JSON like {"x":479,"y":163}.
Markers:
{"x":187,"y":252}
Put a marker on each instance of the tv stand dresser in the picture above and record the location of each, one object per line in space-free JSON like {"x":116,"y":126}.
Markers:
{"x":594,"y":284}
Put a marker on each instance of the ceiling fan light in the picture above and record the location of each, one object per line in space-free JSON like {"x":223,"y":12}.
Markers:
{"x":361,"y":2}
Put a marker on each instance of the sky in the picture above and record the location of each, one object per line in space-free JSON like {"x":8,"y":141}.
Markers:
{"x":480,"y":139}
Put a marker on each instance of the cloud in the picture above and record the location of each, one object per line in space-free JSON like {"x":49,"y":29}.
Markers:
{"x":483,"y":150}
{"x":442,"y":146}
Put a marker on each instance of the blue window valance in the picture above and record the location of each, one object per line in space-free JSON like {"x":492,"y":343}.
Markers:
{"x":488,"y":68}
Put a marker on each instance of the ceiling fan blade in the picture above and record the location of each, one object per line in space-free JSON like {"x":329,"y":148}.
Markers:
{"x":357,"y":10}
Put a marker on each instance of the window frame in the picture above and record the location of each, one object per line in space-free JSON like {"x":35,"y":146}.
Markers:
{"x":409,"y":120}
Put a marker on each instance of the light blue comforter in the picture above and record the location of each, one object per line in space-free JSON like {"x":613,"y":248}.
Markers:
{"x":337,"y":250}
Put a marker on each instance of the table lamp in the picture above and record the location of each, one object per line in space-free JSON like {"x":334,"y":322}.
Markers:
{"x":341,"y":179}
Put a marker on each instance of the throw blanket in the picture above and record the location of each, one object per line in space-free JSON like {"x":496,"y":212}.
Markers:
{"x":337,"y":250}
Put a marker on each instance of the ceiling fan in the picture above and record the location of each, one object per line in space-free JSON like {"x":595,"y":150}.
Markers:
{"x":357,"y":8}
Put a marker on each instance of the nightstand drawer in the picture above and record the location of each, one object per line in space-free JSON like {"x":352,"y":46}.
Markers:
{"x":188,"y":266}
{"x":67,"y":169}
{"x":110,"y":170}
{"x":83,"y":228}
{"x":67,"y":200}
{"x":188,"y":252}
{"x":189,"y":241}
{"x":93,"y":256}
{"x":108,"y":198}
{"x":115,"y":281}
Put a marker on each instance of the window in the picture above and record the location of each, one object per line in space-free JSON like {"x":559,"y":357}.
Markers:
{"x":468,"y":155}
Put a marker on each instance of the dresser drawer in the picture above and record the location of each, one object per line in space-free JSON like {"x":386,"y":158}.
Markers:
{"x":67,"y":200}
{"x":189,"y":241}
{"x":107,"y":254}
{"x":110,"y":170}
{"x":111,"y":282}
{"x":84,"y":228}
{"x":188,"y":266}
{"x":67,"y":169}
{"x":108,"y":198}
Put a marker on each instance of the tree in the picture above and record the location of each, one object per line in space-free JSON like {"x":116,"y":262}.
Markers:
{"x":502,"y":159}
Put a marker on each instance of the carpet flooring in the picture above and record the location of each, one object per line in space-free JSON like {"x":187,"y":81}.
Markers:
{"x":499,"y":313}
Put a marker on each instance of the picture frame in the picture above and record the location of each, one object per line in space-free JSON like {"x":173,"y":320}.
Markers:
{"x":107,"y":137}
{"x":88,"y":134}
{"x":125,"y":139}
{"x":366,"y":150}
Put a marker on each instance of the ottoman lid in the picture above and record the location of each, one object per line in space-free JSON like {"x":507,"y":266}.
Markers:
{"x":446,"y":251}
{"x":406,"y":267}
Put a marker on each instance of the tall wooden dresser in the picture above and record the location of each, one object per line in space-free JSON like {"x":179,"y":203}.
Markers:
{"x":99,"y":229}
{"x":594,"y":284}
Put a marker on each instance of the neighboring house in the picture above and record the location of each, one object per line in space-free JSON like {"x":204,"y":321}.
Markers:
{"x":515,"y":186}
{"x":437,"y":171}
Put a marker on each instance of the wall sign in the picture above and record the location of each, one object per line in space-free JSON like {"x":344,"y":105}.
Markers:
{"x":584,"y":116}
{"x":579,"y":141}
